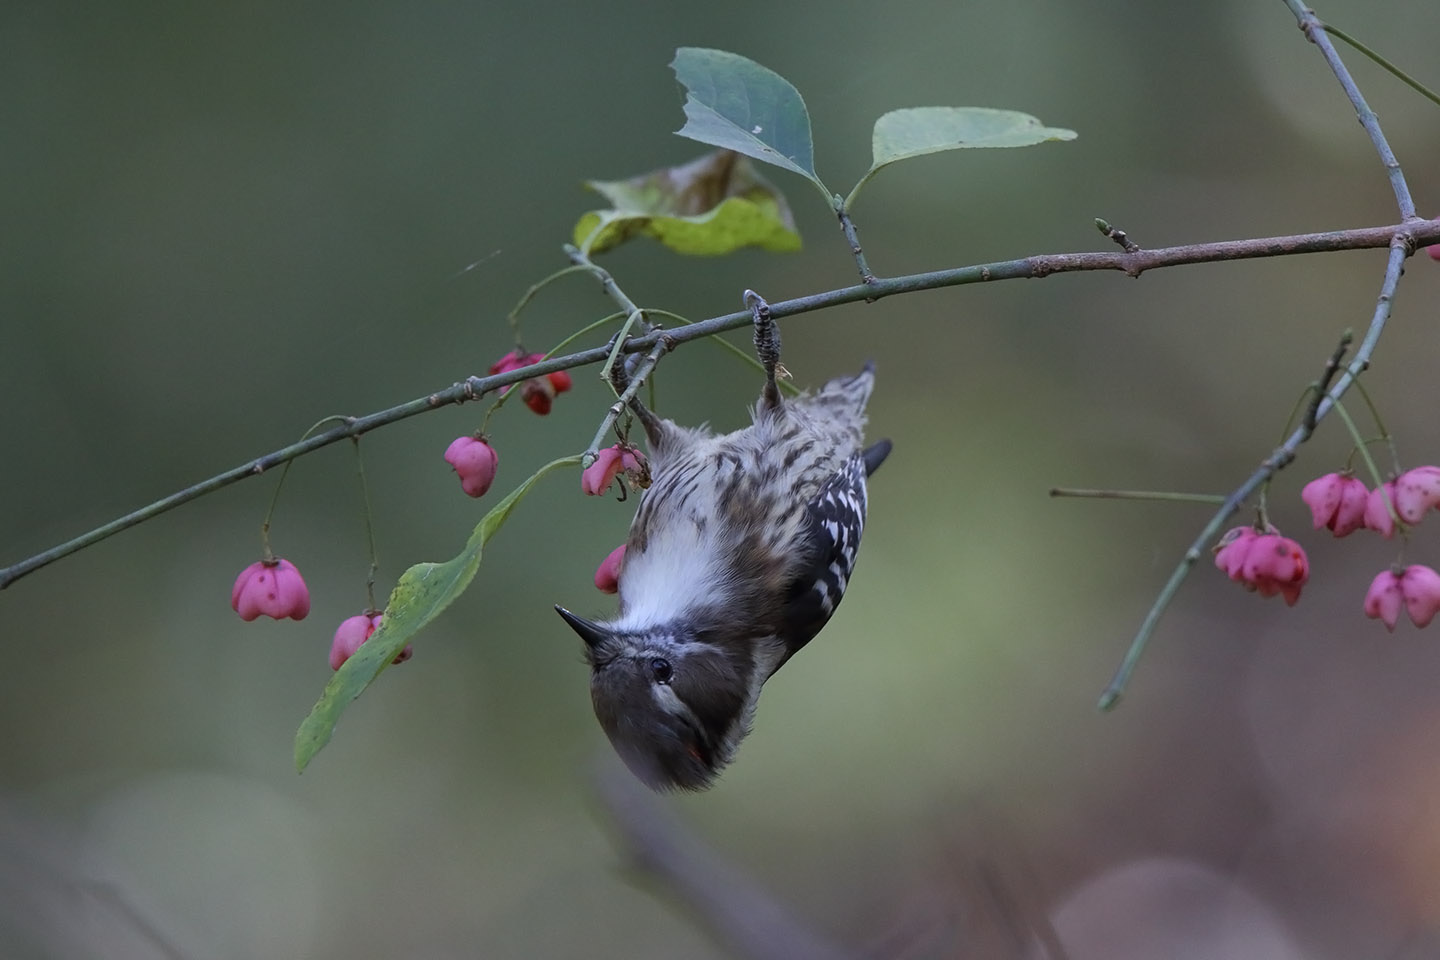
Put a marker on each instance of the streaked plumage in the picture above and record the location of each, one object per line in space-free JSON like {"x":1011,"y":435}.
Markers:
{"x":738,"y":555}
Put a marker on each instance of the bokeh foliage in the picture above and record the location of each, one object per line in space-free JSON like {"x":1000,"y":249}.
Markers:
{"x":226,"y":221}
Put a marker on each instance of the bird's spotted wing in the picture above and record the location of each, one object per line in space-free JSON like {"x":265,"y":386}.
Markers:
{"x":836,"y":518}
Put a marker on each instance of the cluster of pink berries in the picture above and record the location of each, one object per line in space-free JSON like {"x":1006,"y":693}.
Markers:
{"x":1344,"y":505}
{"x":1270,"y":564}
{"x":537,"y":392}
{"x":472,"y":457}
{"x":1263,"y":561}
{"x":274,"y":588}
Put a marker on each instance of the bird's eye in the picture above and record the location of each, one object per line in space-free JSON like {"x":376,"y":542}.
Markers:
{"x":660,"y":667}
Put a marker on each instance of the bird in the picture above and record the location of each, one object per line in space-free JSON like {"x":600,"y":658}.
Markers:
{"x":740,"y":550}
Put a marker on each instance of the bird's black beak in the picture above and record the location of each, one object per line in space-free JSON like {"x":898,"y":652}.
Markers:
{"x":592,"y":633}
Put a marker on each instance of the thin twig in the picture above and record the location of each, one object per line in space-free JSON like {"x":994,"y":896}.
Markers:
{"x":853,"y":238}
{"x":1118,"y":235}
{"x":633,"y":313}
{"x":637,"y":379}
{"x":1322,"y":386}
{"x":472,"y":388}
{"x":1314,"y":29}
{"x":1162,"y":495}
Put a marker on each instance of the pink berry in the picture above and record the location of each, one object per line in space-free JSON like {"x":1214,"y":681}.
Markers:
{"x":352,"y":633}
{"x":1416,"y":492}
{"x":607,"y":575}
{"x":1416,"y":587}
{"x":1378,"y":515}
{"x":537,"y":392}
{"x":513,"y":360}
{"x":1382,"y":600}
{"x":1231,"y":549}
{"x":273,"y":588}
{"x":1263,"y":562}
{"x":475,"y":462}
{"x":1420,"y":586}
{"x":610,"y":463}
{"x":1276,"y":564}
{"x":1336,"y":501}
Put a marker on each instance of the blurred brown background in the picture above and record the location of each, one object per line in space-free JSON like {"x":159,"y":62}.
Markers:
{"x":223,"y":222}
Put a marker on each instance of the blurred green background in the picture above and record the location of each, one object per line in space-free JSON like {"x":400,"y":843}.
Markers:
{"x":224,"y":221}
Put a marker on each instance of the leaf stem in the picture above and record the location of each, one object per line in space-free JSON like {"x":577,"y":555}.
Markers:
{"x":847,"y":226}
{"x":1162,"y":495}
{"x":1380,"y":425}
{"x":1360,"y":444}
{"x":513,"y":317}
{"x":280,"y":485}
{"x":369,"y":528}
{"x":420,"y":595}
{"x":1399,"y":74}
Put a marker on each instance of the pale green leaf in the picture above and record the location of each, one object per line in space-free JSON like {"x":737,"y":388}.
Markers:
{"x":914,"y":132}
{"x":712,"y":205}
{"x":900,"y":134}
{"x":735,"y":103}
{"x":421,"y":594}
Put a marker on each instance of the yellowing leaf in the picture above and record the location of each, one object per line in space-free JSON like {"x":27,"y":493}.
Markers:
{"x":710,"y":206}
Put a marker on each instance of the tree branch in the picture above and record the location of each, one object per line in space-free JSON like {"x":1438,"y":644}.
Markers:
{"x":732,"y":905}
{"x":1413,"y":233}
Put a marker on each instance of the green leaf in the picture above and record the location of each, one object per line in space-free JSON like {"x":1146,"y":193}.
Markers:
{"x":423,"y":591}
{"x":735,"y":103}
{"x":710,"y":206}
{"x":901,"y":134}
